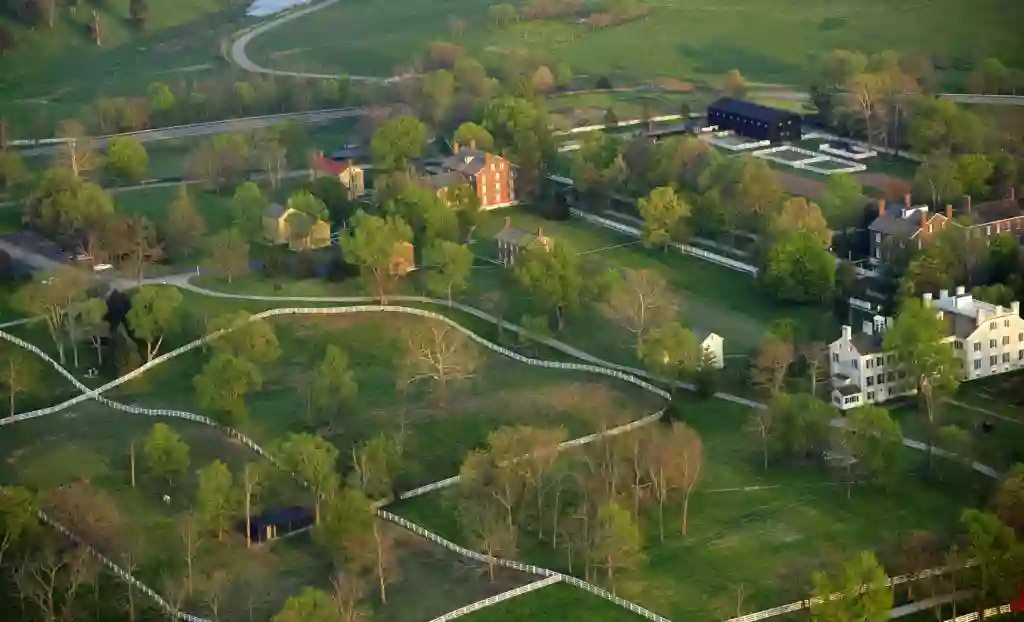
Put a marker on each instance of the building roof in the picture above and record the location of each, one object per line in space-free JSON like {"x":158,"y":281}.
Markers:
{"x":466,"y":161}
{"x":867,"y":344}
{"x":847,"y":389}
{"x":332,"y":167}
{"x":349,"y":152}
{"x":751,"y":110}
{"x":994,"y":211}
{"x":896,"y":221}
{"x":275,"y":210}
{"x":283,"y":516}
{"x":702,"y":334}
{"x":447,"y":179}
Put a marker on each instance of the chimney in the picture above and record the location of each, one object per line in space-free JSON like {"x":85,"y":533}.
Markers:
{"x":867,"y":328}
{"x":906,"y":199}
{"x":968,"y":204}
{"x":949,"y":211}
{"x":999,"y":311}
{"x":540,"y":233}
{"x":960,"y":290}
{"x":926,"y":298}
{"x":1015,"y":308}
{"x":508,"y":221}
{"x":1013,"y":193}
{"x":924,"y":217}
{"x":943,"y":294}
{"x":472,"y":144}
{"x":847,"y":332}
{"x":881,"y":207}
{"x":455,"y":147}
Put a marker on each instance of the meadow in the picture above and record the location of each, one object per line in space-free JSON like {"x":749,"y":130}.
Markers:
{"x":680,"y":38}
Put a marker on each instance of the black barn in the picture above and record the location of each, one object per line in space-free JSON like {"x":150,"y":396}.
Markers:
{"x":277,"y":523}
{"x":754,"y":120}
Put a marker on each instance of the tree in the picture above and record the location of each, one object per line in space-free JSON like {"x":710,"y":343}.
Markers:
{"x":314,"y":460}
{"x":770,"y":367}
{"x":334,"y":382}
{"x":484,"y":522}
{"x":617,"y":540}
{"x":376,"y":464}
{"x":153,"y":314}
{"x":451,"y":265}
{"x":222,"y":384}
{"x":862,"y":97}
{"x":165,"y":453}
{"x":64,"y":206}
{"x":214,"y":500}
{"x":190,"y":540}
{"x":670,"y":350}
{"x":734,"y":84}
{"x":933,"y":368}
{"x":229,"y":253}
{"x":815,"y":356}
{"x":502,"y":14}
{"x":185,"y":225}
{"x":52,"y":297}
{"x":310,"y":605}
{"x":245,"y":337}
{"x":800,"y":425}
{"x":439,"y":353}
{"x":372,"y":245}
{"x":664,"y":215}
{"x":90,"y":513}
{"x":254,"y":477}
{"x":973,"y":171}
{"x":12,"y":170}
{"x":219,"y":161}
{"x":397,"y":142}
{"x":1009,"y":499}
{"x":161,"y":98}
{"x":938,"y":178}
{"x":77,"y":153}
{"x":437,"y":91}
{"x":470,"y":133}
{"x":874,"y":440}
{"x":563,"y":75}
{"x":543,"y":81}
{"x":938,"y":125}
{"x":995,"y":552}
{"x":799,"y":269}
{"x":18,"y":516}
{"x":133,"y":243}
{"x":247,"y":207}
{"x":958,"y":445}
{"x":19,"y":374}
{"x":471,"y":78}
{"x":842,"y":202}
{"x":865,"y":597}
{"x":552,"y":277}
{"x":641,"y":300}
{"x":138,"y":10}
{"x":126,"y":159}
{"x":798,"y":215}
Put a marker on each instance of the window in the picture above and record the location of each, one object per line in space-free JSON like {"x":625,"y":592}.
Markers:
{"x":992,"y":343}
{"x":1020,"y":355}
{"x":977,"y":347}
{"x":1006,"y":340}
{"x":880,"y":378}
{"x":889,"y":359}
{"x":1020,"y":337}
{"x":879,"y":361}
{"x":871,"y":381}
{"x":835,"y":357}
{"x":977,"y":363}
{"x":869,"y":364}
{"x":1006,"y":357}
{"x":1006,"y":323}
{"x":891,"y":376}
{"x":991,"y":325}
{"x":856,"y":364}
{"x":871,"y":395}
{"x":993,"y":360}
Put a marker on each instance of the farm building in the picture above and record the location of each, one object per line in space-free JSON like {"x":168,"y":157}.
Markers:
{"x":754,"y":120}
{"x":274,"y":524}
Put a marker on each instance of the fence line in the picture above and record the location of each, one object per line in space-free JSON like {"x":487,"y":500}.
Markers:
{"x":493,"y":600}
{"x":991,"y":612}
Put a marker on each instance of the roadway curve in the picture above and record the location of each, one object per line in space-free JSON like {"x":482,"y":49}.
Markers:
{"x":241,"y":58}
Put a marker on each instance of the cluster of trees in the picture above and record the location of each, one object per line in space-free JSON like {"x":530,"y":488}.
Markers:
{"x":607,"y":13}
{"x":586,"y":503}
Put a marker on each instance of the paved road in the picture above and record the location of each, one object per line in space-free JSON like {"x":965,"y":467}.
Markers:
{"x":36,"y":260}
{"x":214,"y":127}
{"x":990,"y":100}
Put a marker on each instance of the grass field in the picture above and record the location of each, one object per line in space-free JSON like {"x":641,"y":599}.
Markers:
{"x":769,"y":541}
{"x":680,"y":38}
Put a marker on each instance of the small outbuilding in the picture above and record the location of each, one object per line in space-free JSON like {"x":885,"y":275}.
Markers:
{"x":713,"y":344}
{"x":274,"y":524}
{"x":754,"y":120}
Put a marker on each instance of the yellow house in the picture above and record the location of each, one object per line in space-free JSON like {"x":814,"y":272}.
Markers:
{"x":279,"y":228}
{"x":347,"y":172}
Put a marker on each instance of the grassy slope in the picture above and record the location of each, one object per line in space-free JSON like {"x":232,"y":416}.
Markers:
{"x":768,"y":541}
{"x":678,"y":38}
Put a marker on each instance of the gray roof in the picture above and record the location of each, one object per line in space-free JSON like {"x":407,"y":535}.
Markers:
{"x":994,"y":211}
{"x":847,"y":389}
{"x":701,"y":333}
{"x":867,"y":344}
{"x":445,"y":180}
{"x":466,"y":161}
{"x":274,"y":210}
{"x":894,"y":224}
{"x":750,"y":110}
{"x":959,"y":326}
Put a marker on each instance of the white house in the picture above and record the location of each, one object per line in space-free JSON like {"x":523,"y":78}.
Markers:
{"x":989,"y":339}
{"x":713,"y":344}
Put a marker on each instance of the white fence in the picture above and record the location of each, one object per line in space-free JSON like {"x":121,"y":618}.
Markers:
{"x":493,"y":600}
{"x":686,"y":249}
{"x":991,"y":612}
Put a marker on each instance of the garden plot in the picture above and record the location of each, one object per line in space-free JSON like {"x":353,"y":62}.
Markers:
{"x":733,"y":142}
{"x":808,"y":160}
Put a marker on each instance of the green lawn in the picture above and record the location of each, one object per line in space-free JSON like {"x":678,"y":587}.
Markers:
{"x":580,"y":109}
{"x":769,"y":541}
{"x":568,"y":603}
{"x":680,"y":38}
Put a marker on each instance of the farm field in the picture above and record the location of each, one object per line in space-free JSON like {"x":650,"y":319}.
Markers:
{"x":681,"y":38}
{"x":767,"y":541}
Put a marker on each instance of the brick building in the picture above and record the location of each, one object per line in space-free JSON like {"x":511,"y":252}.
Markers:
{"x":491,"y":176}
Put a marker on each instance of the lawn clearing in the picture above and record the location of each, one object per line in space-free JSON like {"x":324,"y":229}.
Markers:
{"x":560,"y":602}
{"x":680,"y":38}
{"x":768,"y":541}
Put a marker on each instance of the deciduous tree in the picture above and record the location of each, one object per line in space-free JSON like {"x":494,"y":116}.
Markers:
{"x":247,"y":206}
{"x":617,"y":543}
{"x":153,"y":314}
{"x":376,"y":464}
{"x":671,"y":350}
{"x":450,"y":265}
{"x":800,"y":425}
{"x":439,"y":353}
{"x":664,"y":214}
{"x":222,"y":385}
{"x":334,"y":382}
{"x":1009,"y":499}
{"x":229,"y":253}
{"x":552,"y":277}
{"x":798,"y":215}
{"x":640,"y":301}
{"x":12,"y":170}
{"x":310,"y":605}
{"x":771,"y":365}
{"x":133,"y":243}
{"x":314,"y":460}
{"x":865,"y":595}
{"x":798,"y":268}
{"x":19,"y":374}
{"x":18,"y":517}
{"x":52,"y":297}
{"x":185,"y":225}
{"x":65,"y":206}
{"x":77,"y":152}
{"x":214,"y":500}
{"x":245,"y":337}
{"x":372,"y":245}
{"x":165,"y":453}
{"x":996,"y":555}
{"x":470,"y":133}
{"x":126,"y":159}
{"x":843,"y":201}
{"x":734,"y":85}
{"x":873,"y":440}
{"x":397,"y":142}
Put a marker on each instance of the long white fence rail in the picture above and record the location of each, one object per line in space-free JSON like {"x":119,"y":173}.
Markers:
{"x":991,"y":612}
{"x":96,"y":394}
{"x":493,"y":600}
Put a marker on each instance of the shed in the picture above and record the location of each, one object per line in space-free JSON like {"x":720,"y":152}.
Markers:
{"x":274,"y":524}
{"x":754,"y":120}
